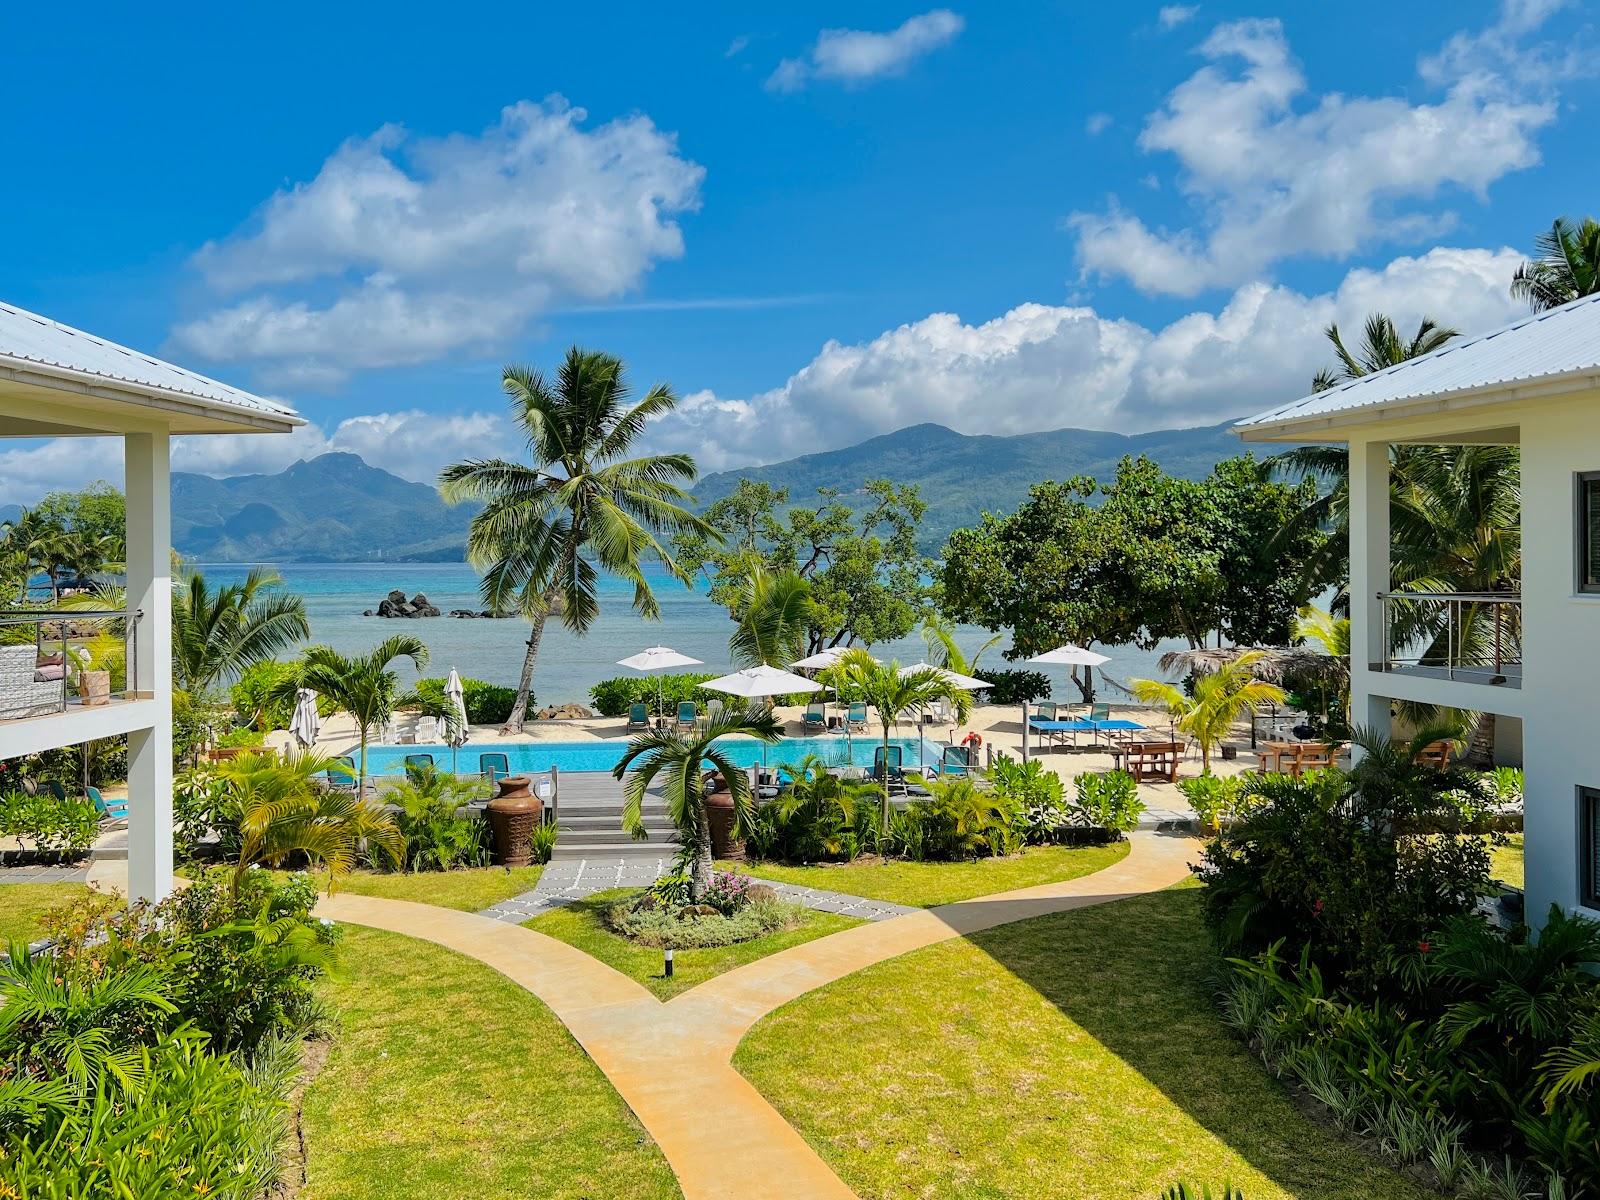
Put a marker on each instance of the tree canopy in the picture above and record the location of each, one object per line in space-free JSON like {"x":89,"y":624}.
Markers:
{"x":1141,"y":559}
{"x":867,"y":582}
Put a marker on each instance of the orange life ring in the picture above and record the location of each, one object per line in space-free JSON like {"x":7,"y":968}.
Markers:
{"x":973,"y":739}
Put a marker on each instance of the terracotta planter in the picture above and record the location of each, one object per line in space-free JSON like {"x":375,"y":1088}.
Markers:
{"x":95,"y":687}
{"x":720,"y":816}
{"x":513,"y":816}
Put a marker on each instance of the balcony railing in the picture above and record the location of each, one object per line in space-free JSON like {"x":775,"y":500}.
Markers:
{"x":56,"y":659}
{"x":1470,"y":636}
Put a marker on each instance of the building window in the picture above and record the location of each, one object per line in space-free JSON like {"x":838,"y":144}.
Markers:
{"x":1588,"y":526}
{"x":1589,"y":818}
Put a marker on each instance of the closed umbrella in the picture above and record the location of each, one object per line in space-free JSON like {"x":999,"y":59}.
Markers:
{"x":1067,"y":655}
{"x":762,"y":681}
{"x":305,"y":723}
{"x":456,"y":731}
{"x":657,"y":658}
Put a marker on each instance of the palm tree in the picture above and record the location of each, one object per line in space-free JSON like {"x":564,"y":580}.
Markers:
{"x":1381,"y":346}
{"x":362,"y":685}
{"x":283,"y":811}
{"x":584,"y":501}
{"x":859,"y":679}
{"x":775,"y":614}
{"x":943,"y":651}
{"x":680,"y":761}
{"x":1219,"y":699}
{"x":217,"y":633}
{"x":1568,"y":265}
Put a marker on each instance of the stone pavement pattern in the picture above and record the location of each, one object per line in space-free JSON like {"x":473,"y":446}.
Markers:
{"x":671,"y":1062}
{"x":569,"y":880}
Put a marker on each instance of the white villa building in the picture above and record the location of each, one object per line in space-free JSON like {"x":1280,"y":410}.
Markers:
{"x":1534,"y":384}
{"x":56,"y":381}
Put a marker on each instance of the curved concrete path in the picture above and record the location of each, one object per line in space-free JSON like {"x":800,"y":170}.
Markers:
{"x":671,"y":1062}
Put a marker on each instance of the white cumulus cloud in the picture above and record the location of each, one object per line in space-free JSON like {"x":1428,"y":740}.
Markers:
{"x":1271,"y":173}
{"x":1173,"y":15}
{"x":403,"y":249}
{"x":1044,"y":366}
{"x":854,"y":56}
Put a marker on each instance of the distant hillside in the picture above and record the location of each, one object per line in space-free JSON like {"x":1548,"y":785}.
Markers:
{"x":337,"y":508}
{"x":9,"y":512}
{"x":333,"y":508}
{"x":961,"y":475}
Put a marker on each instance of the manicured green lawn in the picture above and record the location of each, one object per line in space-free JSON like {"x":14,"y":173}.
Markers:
{"x":23,"y":905}
{"x":1507,"y":861}
{"x":1079,"y":1054}
{"x":469,"y":890}
{"x":448,"y":1081}
{"x":926,"y":884}
{"x":581,"y":925}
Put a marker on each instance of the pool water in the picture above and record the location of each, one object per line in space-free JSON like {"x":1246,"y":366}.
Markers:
{"x":529,"y":757}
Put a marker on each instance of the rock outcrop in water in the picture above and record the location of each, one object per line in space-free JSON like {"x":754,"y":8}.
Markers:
{"x":395,"y":604}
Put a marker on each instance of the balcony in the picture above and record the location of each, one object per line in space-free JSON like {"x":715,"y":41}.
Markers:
{"x":61,"y":661}
{"x":1470,"y":637}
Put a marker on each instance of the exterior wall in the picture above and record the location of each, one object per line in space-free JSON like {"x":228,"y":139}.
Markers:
{"x":1559,"y":742}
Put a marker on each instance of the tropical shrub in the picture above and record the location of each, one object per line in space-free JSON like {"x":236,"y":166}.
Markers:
{"x":1215,"y":799}
{"x":1505,"y":785}
{"x":53,"y":826}
{"x":1017,"y":687}
{"x":959,"y":822}
{"x":1043,"y":814}
{"x":612,"y":697}
{"x":487,"y":703}
{"x":697,"y":926}
{"x":1107,"y":800}
{"x":439,"y":834}
{"x":263,"y":696}
{"x":814,"y":818}
{"x":242,"y":739}
{"x":543,"y":842}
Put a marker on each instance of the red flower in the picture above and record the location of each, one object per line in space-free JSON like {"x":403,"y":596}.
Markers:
{"x":1424,"y":946}
{"x":1317,"y":908}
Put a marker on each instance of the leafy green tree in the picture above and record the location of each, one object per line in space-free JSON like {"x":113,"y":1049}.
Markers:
{"x":857,"y":678}
{"x":775,"y":615}
{"x":1158,"y":557}
{"x":587,"y":500}
{"x":1567,"y":265}
{"x":362,"y":685}
{"x":867,"y":579}
{"x":1218,"y":701}
{"x":679,"y":763}
{"x":944,"y":651}
{"x":218,"y":633}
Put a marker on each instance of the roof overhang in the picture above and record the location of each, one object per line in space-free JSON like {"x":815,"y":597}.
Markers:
{"x":1334,"y":426}
{"x":50,"y":400}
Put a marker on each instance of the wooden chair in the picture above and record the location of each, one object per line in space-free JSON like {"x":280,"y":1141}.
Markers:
{"x":1436,"y":754}
{"x":1279,"y":758}
{"x":1316,"y":756}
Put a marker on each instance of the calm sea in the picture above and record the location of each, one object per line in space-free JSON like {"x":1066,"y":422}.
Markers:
{"x":337,"y":593}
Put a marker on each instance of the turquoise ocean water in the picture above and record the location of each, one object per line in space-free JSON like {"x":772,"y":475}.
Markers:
{"x":337,"y":593}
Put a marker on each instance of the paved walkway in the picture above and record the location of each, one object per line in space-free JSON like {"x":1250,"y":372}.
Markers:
{"x":671,"y":1062}
{"x":569,"y":880}
{"x":77,"y":873}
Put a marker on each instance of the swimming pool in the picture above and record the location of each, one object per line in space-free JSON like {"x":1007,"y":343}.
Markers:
{"x":529,"y":757}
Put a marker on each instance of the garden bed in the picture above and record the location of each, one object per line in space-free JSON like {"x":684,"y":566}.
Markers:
{"x":583,"y":924}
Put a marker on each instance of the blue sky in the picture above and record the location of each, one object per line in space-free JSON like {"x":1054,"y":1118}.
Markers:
{"x":816,"y":225}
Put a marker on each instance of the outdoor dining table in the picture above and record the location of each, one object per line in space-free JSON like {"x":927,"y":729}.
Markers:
{"x":1272,"y":753}
{"x":1147,"y":759}
{"x":1084,"y":725}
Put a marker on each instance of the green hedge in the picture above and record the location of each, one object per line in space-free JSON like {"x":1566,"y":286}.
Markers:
{"x":612,"y":696}
{"x":487,"y":703}
{"x":1017,"y":687}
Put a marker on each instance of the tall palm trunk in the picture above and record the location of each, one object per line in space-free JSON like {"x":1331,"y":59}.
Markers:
{"x":1480,"y":751}
{"x":700,"y":874}
{"x":519,"y":709}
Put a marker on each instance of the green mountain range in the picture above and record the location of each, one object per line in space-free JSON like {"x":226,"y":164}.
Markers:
{"x":337,"y":508}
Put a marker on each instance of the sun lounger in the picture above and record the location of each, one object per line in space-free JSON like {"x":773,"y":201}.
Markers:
{"x":889,"y":769}
{"x":494,"y":766}
{"x":342,"y":775}
{"x":112,"y":812}
{"x":856,"y":717}
{"x":815,"y":718}
{"x":955,"y":760}
{"x":638,"y":716}
{"x":416,"y":762}
{"x":688,"y":716}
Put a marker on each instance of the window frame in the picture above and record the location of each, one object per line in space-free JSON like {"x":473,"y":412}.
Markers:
{"x":1582,"y":481}
{"x":1589,"y":847}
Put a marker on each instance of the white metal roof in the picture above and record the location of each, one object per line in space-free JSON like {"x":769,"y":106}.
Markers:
{"x":1561,"y":346}
{"x":48,"y":349}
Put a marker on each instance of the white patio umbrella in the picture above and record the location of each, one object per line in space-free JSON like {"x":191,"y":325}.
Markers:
{"x":456,"y":732}
{"x":955,"y":679}
{"x":823,"y":659}
{"x":762,"y":681}
{"x":1067,"y":655}
{"x":305,"y":723}
{"x":657,"y":658}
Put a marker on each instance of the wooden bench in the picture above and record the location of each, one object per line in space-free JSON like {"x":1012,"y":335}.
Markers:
{"x":1436,"y":754}
{"x":1148,"y":761}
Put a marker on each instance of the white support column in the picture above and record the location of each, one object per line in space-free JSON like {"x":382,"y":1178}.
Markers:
{"x":1369,"y":575}
{"x":150,"y":593}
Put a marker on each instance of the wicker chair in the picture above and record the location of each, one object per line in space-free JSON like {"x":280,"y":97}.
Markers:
{"x":22,"y":695}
